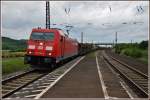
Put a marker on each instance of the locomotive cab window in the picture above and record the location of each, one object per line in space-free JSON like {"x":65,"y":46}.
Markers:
{"x":42,"y":36}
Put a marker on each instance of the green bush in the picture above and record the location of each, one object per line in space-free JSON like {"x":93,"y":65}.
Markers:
{"x":133,"y":52}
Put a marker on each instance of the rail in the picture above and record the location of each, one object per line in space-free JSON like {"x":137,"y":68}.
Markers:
{"x":129,"y":74}
{"x":15,"y":83}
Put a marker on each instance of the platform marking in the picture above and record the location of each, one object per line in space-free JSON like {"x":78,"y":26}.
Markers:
{"x":46,"y":83}
{"x":127,"y":91}
{"x":37,"y":90}
{"x":21,"y":92}
{"x":28,"y":96}
{"x":101,"y":79}
{"x":51,"y":85}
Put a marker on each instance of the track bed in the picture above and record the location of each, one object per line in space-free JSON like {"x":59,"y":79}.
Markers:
{"x":139,"y":65}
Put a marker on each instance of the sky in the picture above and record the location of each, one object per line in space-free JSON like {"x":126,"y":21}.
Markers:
{"x":98,"y":20}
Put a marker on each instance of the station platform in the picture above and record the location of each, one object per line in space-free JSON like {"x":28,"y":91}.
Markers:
{"x":90,"y":78}
{"x":81,"y":82}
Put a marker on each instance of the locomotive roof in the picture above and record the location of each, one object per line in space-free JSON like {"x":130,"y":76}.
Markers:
{"x":55,"y":29}
{"x":47,"y":30}
{"x":44,"y":29}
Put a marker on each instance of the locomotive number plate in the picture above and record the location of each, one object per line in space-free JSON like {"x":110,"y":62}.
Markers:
{"x":40,"y":47}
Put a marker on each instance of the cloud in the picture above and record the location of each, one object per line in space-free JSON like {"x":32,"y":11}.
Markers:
{"x":99,"y":20}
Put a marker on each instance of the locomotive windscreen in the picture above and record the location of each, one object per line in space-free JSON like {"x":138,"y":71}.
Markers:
{"x":42,"y":36}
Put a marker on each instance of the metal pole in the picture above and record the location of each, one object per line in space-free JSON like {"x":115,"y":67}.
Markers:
{"x":116,"y":39}
{"x":131,"y":42}
{"x":81,"y":37}
{"x":113,"y":43}
{"x":47,"y":15}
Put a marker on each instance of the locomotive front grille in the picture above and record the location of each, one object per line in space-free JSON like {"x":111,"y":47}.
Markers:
{"x":38,"y":60}
{"x":40,"y":53}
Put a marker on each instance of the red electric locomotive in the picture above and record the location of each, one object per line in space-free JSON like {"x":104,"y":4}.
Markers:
{"x":49,"y":46}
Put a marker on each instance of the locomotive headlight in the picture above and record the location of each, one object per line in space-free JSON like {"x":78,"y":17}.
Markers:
{"x":31,"y":46}
{"x":41,"y":43}
{"x":49,"y":48}
{"x":30,"y":52}
{"x":49,"y":54}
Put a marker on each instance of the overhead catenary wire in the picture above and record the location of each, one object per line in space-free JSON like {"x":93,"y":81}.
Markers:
{"x":67,"y":11}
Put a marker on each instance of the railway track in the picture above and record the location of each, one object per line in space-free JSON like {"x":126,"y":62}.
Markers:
{"x":41,"y":84}
{"x":15,"y":83}
{"x":137,"y":64}
{"x":137,"y":80}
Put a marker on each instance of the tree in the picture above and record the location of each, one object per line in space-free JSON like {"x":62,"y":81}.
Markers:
{"x":143,"y":45}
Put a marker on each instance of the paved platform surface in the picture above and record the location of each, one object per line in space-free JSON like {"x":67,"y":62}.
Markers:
{"x":81,"y":82}
{"x":91,"y":78}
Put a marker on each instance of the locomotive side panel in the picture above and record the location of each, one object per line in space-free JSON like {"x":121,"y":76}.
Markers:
{"x":68,"y":46}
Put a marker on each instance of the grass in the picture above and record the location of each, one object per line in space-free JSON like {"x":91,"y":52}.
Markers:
{"x":8,"y":54}
{"x":144,"y":57}
{"x":10,"y":65}
{"x":141,"y":54}
{"x":133,"y":52}
{"x":91,"y":54}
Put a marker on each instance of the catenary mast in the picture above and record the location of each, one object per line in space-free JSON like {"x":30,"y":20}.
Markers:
{"x":47,"y":15}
